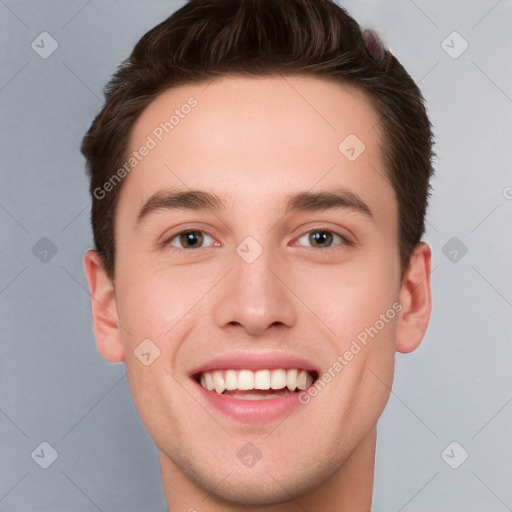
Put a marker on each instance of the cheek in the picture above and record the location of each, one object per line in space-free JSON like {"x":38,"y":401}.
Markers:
{"x":360,"y":306}
{"x":347,"y":298}
{"x":152,"y":300}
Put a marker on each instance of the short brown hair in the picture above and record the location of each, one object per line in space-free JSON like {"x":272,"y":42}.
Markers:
{"x":206,"y":39}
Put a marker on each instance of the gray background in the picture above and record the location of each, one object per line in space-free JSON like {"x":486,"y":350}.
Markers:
{"x":56,"y":388}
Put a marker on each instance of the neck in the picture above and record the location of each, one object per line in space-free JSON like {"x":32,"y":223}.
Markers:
{"x":349,"y":489}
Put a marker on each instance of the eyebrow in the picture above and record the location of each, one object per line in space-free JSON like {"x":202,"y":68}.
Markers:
{"x":300,"y":202}
{"x":325,"y":200}
{"x":181,"y":199}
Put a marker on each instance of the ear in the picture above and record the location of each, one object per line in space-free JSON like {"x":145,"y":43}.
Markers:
{"x":416,"y":300}
{"x":104,"y":309}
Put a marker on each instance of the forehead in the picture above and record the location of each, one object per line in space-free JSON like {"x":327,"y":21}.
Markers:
{"x":246,"y":138}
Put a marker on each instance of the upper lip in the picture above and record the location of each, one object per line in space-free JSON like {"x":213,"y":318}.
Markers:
{"x":256,"y":361}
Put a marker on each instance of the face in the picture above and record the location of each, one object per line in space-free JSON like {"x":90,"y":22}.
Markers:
{"x":257,"y":256}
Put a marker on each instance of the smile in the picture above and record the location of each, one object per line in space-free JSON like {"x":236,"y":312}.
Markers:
{"x":259,"y":384}
{"x":254,"y":388}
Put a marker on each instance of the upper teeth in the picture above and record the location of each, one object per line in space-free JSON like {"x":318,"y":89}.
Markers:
{"x":220,"y":380}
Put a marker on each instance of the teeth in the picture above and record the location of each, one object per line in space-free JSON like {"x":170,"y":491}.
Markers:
{"x":291,"y":379}
{"x":246,"y":380}
{"x":262,"y":379}
{"x":301,"y":380}
{"x":208,"y":378}
{"x":230,"y":379}
{"x":218,"y":382}
{"x":278,"y":379}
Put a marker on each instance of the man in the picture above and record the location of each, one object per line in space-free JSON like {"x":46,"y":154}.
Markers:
{"x":259,"y":176}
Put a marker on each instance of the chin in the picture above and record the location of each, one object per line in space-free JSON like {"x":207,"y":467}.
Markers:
{"x":266,"y":483}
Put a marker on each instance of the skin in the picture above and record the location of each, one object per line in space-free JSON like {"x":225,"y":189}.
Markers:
{"x":254,"y":142}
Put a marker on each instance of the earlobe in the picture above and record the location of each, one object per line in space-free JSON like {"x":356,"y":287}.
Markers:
{"x":104,"y":309}
{"x":416,"y":300}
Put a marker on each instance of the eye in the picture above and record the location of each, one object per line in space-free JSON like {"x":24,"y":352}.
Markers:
{"x":322,"y":239}
{"x":191,"y":239}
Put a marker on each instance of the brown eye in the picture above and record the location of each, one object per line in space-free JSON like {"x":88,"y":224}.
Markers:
{"x":323,"y":239}
{"x":320,"y":238}
{"x":191,"y":239}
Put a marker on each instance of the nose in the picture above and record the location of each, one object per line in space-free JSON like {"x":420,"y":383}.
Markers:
{"x":256,"y":297}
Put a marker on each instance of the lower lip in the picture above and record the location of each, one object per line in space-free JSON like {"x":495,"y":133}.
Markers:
{"x":251,"y":411}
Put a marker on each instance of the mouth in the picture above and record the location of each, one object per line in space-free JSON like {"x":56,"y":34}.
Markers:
{"x":261,"y":384}
{"x":254,"y":388}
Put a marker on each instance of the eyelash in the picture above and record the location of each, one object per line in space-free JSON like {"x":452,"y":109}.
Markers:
{"x":344,"y":240}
